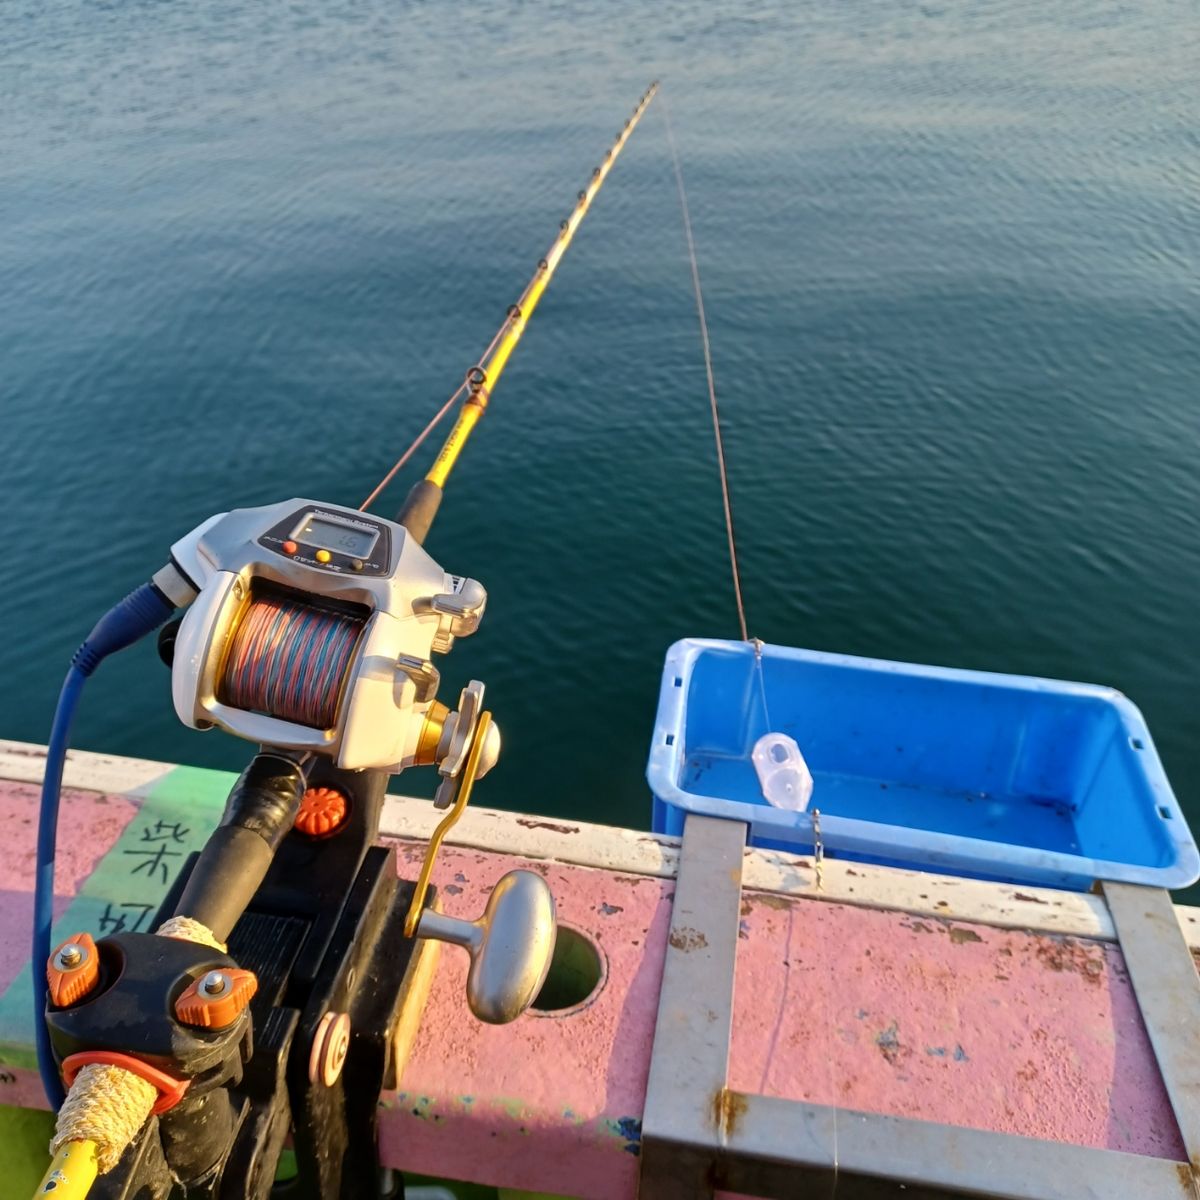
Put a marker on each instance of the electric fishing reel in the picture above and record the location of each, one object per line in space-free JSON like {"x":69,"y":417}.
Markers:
{"x":313,"y":630}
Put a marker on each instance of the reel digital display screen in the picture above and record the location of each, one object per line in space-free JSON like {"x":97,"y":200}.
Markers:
{"x":327,"y":533}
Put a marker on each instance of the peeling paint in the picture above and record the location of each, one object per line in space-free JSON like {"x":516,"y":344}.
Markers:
{"x":529,"y":824}
{"x":1065,"y":954}
{"x":630,"y":1130}
{"x":888,"y":1041}
{"x":958,"y":935}
{"x":687,"y":939}
{"x":514,"y":1109}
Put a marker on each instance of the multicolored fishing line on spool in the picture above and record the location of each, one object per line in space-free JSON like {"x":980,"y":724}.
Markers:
{"x":288,"y":660}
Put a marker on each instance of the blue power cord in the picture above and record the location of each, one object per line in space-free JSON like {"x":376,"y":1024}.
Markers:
{"x":140,"y":613}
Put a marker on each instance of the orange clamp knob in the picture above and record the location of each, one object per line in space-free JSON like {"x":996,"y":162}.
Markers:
{"x":73,"y":970}
{"x":217,"y":998}
{"x":322,"y":811}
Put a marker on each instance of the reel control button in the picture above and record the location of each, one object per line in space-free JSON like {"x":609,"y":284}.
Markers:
{"x":323,"y":556}
{"x":290,"y":547}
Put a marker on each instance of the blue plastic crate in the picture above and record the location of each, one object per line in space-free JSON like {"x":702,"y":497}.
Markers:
{"x":997,"y":776}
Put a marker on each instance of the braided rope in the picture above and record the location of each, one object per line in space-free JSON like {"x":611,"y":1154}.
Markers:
{"x":106,"y":1105}
{"x":187,"y":929}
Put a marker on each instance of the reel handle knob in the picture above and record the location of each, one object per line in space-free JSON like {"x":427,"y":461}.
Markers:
{"x":510,"y":945}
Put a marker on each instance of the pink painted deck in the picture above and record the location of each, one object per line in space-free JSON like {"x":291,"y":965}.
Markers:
{"x":945,"y":1021}
{"x":871,"y":1009}
{"x":90,"y":824}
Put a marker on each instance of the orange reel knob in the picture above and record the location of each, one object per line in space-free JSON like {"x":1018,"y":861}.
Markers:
{"x":322,"y":812}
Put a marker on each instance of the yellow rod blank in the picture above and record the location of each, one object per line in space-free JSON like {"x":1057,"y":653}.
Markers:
{"x":514,"y":326}
{"x":72,"y":1172}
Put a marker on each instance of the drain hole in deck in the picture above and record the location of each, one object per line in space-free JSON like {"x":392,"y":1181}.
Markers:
{"x":576,"y":973}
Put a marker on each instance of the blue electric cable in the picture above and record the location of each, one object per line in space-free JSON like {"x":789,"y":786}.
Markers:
{"x":140,"y":613}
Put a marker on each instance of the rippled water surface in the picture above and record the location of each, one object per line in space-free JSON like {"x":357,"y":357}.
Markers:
{"x":950,"y":261}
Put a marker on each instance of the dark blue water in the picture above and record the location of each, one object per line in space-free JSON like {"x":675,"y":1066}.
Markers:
{"x":950,"y":255}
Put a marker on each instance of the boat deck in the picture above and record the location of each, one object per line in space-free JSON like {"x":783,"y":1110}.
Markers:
{"x":882,"y":991}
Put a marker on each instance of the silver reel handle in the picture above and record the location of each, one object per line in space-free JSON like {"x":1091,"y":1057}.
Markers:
{"x":510,"y":945}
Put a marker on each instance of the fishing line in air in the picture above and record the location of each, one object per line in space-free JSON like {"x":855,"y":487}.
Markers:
{"x":708,"y":370}
{"x":733,"y":559}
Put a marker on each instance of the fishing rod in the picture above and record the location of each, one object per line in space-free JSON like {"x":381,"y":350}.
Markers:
{"x":423,"y":500}
{"x":266,"y":1000}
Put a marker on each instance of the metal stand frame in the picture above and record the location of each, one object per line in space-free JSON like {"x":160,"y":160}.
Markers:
{"x":698,"y":1135}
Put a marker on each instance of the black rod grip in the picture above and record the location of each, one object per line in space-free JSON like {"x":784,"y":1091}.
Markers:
{"x":420,"y":508}
{"x":260,"y":811}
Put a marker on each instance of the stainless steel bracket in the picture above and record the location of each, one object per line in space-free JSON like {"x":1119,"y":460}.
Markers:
{"x":1164,"y":979}
{"x":698,"y":1135}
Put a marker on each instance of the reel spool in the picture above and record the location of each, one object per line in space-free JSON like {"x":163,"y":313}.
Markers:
{"x":289,"y":659}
